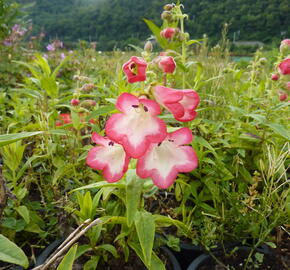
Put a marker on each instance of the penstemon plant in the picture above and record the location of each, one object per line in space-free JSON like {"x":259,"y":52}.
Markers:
{"x":138,"y":144}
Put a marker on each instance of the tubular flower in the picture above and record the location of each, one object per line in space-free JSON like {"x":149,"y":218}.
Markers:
{"x":167,"y":64}
{"x":137,"y":126}
{"x":181,"y":103}
{"x":135,"y":69}
{"x":284,"y":67}
{"x":168,"y":32}
{"x":109,"y":157}
{"x":164,"y":160}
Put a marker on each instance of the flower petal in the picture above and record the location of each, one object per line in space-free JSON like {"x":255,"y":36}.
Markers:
{"x":181,"y":103}
{"x":163,"y":161}
{"x":110,"y":157}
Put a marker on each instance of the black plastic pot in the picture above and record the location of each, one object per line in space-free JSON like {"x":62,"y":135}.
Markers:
{"x":205,"y":257}
{"x":43,"y":255}
{"x":171,"y":257}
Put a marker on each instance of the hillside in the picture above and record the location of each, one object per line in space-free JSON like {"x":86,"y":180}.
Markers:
{"x":118,"y":22}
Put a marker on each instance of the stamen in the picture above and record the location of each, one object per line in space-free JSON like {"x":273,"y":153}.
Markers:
{"x":111,"y":143}
{"x":159,"y":144}
{"x":145,"y":109}
{"x":170,"y":140}
{"x":135,"y":106}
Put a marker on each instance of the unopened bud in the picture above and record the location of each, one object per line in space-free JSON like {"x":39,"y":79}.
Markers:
{"x":87,"y":87}
{"x":275,"y":77}
{"x":88,"y":103}
{"x":148,"y":47}
{"x":282,"y":96}
{"x":169,"y":7}
{"x":74,"y":102}
{"x":166,"y":15}
{"x":285,"y":46}
{"x":263,"y":60}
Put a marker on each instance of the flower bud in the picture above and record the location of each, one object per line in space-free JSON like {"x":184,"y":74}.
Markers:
{"x":284,"y":67}
{"x":275,"y":77}
{"x":74,"y":102}
{"x":148,"y":47}
{"x":166,"y":15}
{"x":282,"y":96}
{"x":87,"y":87}
{"x":263,"y":60}
{"x":167,"y":64}
{"x":168,"y":7}
{"x":168,"y":32}
{"x":88,"y":103}
{"x":285,"y":46}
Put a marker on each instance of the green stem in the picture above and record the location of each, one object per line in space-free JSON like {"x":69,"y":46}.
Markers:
{"x":183,"y":51}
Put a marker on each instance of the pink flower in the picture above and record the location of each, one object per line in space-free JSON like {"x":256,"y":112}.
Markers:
{"x":168,"y":32}
{"x":135,"y":69}
{"x":109,"y":157}
{"x":65,"y":117}
{"x":284,"y":67}
{"x":164,"y":160}
{"x":167,"y":64}
{"x":275,"y":77}
{"x":137,"y":126}
{"x":181,"y":103}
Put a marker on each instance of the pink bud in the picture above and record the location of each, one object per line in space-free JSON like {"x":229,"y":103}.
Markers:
{"x":284,"y":67}
{"x":74,"y":102}
{"x":285,"y":46}
{"x":282,"y":96}
{"x":168,"y":33}
{"x":167,"y":64}
{"x":275,"y":77}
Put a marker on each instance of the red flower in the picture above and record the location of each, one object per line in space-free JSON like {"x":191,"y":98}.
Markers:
{"x":164,"y":160}
{"x":168,"y":32}
{"x":135,"y":69}
{"x":137,"y":126}
{"x":167,"y":64}
{"x":284,"y":67}
{"x":109,"y":157}
{"x":181,"y":103}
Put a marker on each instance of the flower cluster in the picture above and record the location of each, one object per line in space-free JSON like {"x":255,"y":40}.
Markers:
{"x":137,"y":131}
{"x":17,"y":32}
{"x":283,"y":68}
{"x":56,"y":44}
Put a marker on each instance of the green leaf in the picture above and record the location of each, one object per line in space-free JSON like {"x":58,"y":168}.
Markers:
{"x":156,"y":32}
{"x":280,"y":130}
{"x":100,"y":184}
{"x":67,"y":261}
{"x":10,"y":138}
{"x":11,"y":253}
{"x":23,"y":212}
{"x":156,"y":263}
{"x":134,"y":187}
{"x":104,"y":110}
{"x":109,"y":248}
{"x":145,"y":227}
